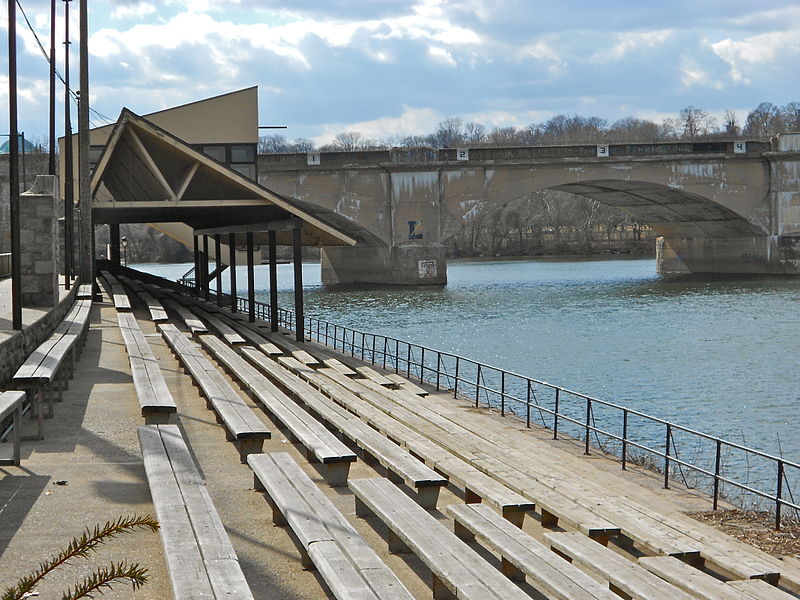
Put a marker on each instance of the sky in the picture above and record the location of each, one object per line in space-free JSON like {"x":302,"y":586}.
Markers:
{"x":391,"y":68}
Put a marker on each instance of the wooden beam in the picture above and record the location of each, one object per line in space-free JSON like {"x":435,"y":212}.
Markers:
{"x":282,"y":225}
{"x":151,"y":165}
{"x":186,"y":181}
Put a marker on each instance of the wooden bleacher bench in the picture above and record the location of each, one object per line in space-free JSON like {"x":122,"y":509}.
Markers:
{"x":624,"y":576}
{"x":84,"y":292}
{"x":155,"y":399}
{"x":11,"y":406}
{"x":116,"y":291}
{"x":400,"y":464}
{"x":242,"y":425}
{"x":523,"y":556}
{"x":456,"y":568}
{"x":321,"y":445}
{"x":200,"y":558}
{"x":194,"y":324}
{"x":250,"y":334}
{"x":477,"y":485}
{"x":405,"y":384}
{"x":327,"y":540}
{"x":702,"y":585}
{"x":52,"y":363}
{"x":556,"y":504}
{"x":223,"y":329}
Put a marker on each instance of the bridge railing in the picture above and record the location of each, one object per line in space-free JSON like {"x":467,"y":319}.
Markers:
{"x":727,"y":470}
{"x":403,"y":155}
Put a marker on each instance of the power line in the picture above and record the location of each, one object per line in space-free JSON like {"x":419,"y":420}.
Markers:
{"x":73,"y":94}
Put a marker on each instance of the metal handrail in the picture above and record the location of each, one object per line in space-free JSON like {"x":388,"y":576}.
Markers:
{"x":492,"y":383}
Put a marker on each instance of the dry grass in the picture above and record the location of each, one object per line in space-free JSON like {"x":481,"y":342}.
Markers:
{"x":756,"y":528}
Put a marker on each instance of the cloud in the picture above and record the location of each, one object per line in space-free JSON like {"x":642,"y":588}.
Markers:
{"x":137,"y":11}
{"x":412,"y":121}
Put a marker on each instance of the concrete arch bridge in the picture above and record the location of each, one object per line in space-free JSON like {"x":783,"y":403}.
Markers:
{"x":721,"y":207}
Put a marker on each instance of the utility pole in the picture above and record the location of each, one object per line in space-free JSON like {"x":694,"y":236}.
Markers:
{"x":68,"y":174}
{"x":52,"y":162}
{"x":13,"y":168}
{"x":84,"y":185}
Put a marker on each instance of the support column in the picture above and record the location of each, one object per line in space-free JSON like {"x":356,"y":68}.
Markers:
{"x":297,"y":252}
{"x":39,"y":246}
{"x":232,"y":254}
{"x":204,"y":265}
{"x":113,"y":243}
{"x":251,"y":293}
{"x":273,"y":281}
{"x":196,"y":252}
{"x":217,"y":268}
{"x":13,"y":170}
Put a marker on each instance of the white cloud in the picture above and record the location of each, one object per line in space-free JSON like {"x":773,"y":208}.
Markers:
{"x":748,"y":55}
{"x":412,"y":121}
{"x":138,"y":10}
{"x":627,"y":43}
{"x":442,"y":55}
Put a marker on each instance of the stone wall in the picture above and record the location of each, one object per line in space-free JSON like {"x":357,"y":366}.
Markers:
{"x":35,"y":164}
{"x":15,"y":349}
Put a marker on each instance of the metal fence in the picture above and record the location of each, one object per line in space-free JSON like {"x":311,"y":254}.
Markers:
{"x":727,"y":470}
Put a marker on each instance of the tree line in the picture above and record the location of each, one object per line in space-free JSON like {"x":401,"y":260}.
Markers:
{"x":690,"y":123}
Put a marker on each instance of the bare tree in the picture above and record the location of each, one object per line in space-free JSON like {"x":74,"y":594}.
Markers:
{"x":764,"y":121}
{"x":695,"y":122}
{"x":474,"y":133}
{"x":348,"y":141}
{"x":449,"y":133}
{"x":731,"y":123}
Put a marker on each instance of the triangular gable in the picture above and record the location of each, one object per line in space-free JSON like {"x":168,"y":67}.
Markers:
{"x":145,"y":167}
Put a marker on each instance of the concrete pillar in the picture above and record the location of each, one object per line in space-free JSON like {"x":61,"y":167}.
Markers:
{"x":403,"y":264}
{"x":273,"y":280}
{"x":39,"y":243}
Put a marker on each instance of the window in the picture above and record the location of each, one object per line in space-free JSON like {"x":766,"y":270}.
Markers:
{"x":216,"y":152}
{"x":241,"y":153}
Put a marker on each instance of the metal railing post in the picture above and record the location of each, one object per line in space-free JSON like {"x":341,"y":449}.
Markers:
{"x":778,"y":495}
{"x":588,"y":420}
{"x":438,"y":369}
{"x":502,"y":393}
{"x":528,"y":405}
{"x":455,"y":387}
{"x":624,"y":440}
{"x":717,"y":468}
{"x":666,"y":456}
{"x":555,"y":415}
{"x":478,"y":386}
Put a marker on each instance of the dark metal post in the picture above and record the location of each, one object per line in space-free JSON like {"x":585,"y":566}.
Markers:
{"x":196,"y":253}
{"x":86,"y":244}
{"x":204,"y":266}
{"x":717,"y":469}
{"x":13,"y":168}
{"x":625,"y":439}
{"x":51,"y":169}
{"x":251,"y":292}
{"x":455,"y":387}
{"x":69,"y":188}
{"x":113,"y":243}
{"x":297,"y":255}
{"x":555,"y":415}
{"x":666,"y":456}
{"x":232,"y":267}
{"x":588,"y":420}
{"x":778,"y":495}
{"x":528,"y":405}
{"x":477,"y":385}
{"x":218,"y":270}
{"x":273,"y":281}
{"x":502,"y":393}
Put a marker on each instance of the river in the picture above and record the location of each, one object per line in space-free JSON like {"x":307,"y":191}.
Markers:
{"x":714,"y":353}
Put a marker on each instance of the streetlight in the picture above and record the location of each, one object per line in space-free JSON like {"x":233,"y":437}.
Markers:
{"x":124,"y":242}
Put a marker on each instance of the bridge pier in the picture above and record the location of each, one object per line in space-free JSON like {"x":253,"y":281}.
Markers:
{"x":402,"y":264}
{"x":767,"y":255}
